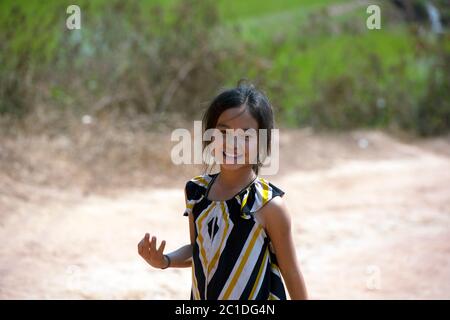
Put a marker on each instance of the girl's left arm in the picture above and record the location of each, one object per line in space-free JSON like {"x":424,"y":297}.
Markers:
{"x":276,"y":220}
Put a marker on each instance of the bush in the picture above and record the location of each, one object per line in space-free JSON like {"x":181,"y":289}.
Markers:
{"x":145,"y":63}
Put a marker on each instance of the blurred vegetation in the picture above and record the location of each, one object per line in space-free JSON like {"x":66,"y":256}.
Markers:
{"x":145,"y":63}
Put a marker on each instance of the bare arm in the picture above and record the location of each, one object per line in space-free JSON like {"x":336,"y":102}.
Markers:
{"x":277,"y":223}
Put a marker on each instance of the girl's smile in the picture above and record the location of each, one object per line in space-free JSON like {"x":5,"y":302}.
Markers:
{"x":235,"y":147}
{"x":232,"y":158}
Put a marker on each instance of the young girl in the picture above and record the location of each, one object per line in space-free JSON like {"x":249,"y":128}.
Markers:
{"x":240,"y":229}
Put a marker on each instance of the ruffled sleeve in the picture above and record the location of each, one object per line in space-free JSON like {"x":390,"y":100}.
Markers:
{"x":257,"y":196}
{"x":195,"y":191}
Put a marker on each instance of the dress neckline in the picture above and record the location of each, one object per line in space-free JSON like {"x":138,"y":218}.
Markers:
{"x":212,"y":181}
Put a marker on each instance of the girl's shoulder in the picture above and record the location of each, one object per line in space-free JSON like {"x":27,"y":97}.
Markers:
{"x":196,"y":187}
{"x":258,"y":195}
{"x":195,"y":190}
{"x":201,"y":180}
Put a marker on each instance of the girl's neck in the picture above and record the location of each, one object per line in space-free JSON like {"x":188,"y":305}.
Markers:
{"x":239,"y":177}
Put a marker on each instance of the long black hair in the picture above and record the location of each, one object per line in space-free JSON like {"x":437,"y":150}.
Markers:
{"x":253,"y":99}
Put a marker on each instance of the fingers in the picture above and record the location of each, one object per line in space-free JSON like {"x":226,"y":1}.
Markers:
{"x":147,"y":247}
{"x":144,"y":244}
{"x":153,"y":246}
{"x":161,"y":247}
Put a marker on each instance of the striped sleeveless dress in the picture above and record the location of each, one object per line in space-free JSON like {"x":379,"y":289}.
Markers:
{"x":232,"y":255}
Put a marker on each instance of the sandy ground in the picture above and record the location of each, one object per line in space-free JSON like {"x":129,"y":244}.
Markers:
{"x":371,"y":218}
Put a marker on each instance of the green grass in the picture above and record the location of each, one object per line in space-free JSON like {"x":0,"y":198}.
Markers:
{"x":314,"y":58}
{"x":251,"y":10}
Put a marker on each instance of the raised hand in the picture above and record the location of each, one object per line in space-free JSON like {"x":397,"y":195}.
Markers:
{"x":154,"y":257}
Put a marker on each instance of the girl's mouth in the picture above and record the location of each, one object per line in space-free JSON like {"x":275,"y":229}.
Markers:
{"x":231,"y":156}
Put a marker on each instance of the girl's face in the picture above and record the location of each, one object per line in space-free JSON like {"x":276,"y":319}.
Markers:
{"x":239,"y":139}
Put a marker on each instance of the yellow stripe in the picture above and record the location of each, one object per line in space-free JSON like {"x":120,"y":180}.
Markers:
{"x":190,"y":205}
{"x":200,"y":237}
{"x":216,"y":255}
{"x":201,"y":179}
{"x":244,"y":201}
{"x":265,"y":191}
{"x":274,"y":265}
{"x":242,"y":263}
{"x":195,"y":285}
{"x":275,"y":269}
{"x":263,"y":266}
{"x":273,"y":297}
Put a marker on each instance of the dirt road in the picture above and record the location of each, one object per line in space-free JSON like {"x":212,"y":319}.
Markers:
{"x":371,"y":219}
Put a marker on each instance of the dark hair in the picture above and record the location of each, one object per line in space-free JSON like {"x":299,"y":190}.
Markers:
{"x":243,"y":94}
